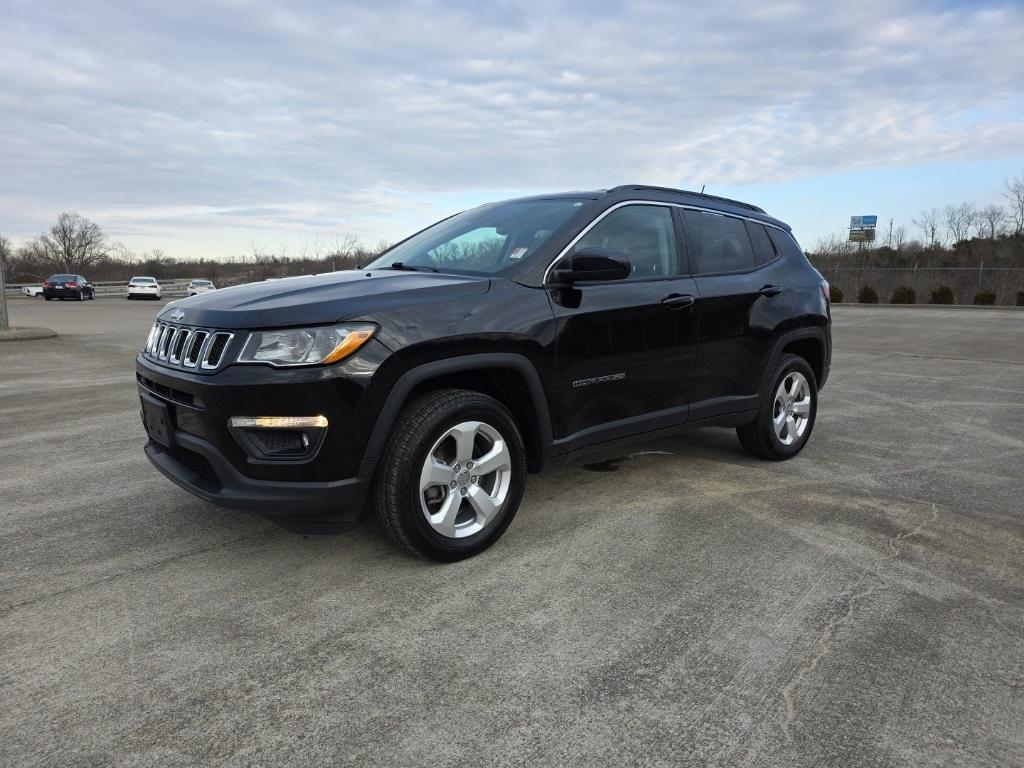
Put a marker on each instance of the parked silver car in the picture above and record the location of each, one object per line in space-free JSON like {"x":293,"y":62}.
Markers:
{"x":200,"y":286}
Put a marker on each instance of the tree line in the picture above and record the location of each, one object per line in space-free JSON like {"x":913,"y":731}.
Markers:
{"x":75,"y":245}
{"x":947,"y":235}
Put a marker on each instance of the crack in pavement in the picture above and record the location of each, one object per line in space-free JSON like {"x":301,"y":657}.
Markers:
{"x":917,"y":530}
{"x":824,"y":649}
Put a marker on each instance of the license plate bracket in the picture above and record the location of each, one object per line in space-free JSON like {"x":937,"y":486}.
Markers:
{"x":156,"y":417}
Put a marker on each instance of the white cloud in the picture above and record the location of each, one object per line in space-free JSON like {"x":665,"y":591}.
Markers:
{"x":327,"y":117}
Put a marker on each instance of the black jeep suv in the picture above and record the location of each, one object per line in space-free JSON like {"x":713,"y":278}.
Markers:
{"x":488,"y":345}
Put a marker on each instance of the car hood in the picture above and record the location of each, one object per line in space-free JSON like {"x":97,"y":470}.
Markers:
{"x":317,"y":299}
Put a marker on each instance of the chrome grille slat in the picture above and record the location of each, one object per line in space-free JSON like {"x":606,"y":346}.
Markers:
{"x":182,"y":346}
{"x":194,"y":348}
{"x":177,"y":352}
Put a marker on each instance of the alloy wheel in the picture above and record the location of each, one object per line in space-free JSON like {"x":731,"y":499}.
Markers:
{"x":465,"y":479}
{"x":792,"y":408}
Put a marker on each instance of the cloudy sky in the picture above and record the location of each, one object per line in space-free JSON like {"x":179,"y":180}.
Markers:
{"x":209,"y":128}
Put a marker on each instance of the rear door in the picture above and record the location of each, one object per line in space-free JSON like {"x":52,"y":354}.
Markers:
{"x":625,"y":348}
{"x":733,"y":277}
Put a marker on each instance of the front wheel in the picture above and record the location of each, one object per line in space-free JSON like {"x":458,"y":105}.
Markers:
{"x":452,"y":475}
{"x":789,"y":405}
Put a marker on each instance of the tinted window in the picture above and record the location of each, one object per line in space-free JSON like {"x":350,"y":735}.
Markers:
{"x":642,"y":232}
{"x":483,"y":240}
{"x":764,"y":251}
{"x":60,"y":278}
{"x":719,"y":243}
{"x":785,"y":244}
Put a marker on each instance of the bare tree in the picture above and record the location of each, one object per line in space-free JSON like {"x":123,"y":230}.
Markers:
{"x":899,"y":238}
{"x":6,"y":250}
{"x":959,"y":219}
{"x":121,"y":253}
{"x":928,"y":222}
{"x":72,"y":245}
{"x":1015,"y":194}
{"x":990,"y":220}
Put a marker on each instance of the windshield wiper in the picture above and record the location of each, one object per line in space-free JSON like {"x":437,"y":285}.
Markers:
{"x":408,"y":267}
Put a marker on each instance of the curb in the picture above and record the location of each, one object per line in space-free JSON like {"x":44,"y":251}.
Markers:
{"x":26,"y":334}
{"x":983,"y":307}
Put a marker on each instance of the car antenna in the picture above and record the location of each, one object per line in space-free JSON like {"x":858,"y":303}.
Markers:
{"x":702,"y":188}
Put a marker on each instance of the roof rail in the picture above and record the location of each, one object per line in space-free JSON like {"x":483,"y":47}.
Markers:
{"x":730,"y":201}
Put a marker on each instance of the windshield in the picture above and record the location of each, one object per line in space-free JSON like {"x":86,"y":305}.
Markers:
{"x":484,"y":240}
{"x":140,"y":280}
{"x":201,"y":282}
{"x":61,"y":279}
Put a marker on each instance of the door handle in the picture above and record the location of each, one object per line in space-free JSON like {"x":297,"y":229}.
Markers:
{"x":678,"y":301}
{"x":771,"y":290}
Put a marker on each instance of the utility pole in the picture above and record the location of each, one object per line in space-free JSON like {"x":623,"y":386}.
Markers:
{"x":4,"y":325}
{"x":890,"y":234}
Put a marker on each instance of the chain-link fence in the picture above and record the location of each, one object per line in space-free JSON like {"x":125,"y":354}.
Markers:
{"x":965,"y":282}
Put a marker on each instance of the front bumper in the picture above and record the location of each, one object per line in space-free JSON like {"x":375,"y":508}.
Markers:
{"x":195,"y":465}
{"x":206,"y":459}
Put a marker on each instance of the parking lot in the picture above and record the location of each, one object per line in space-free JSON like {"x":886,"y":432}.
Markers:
{"x":676,"y":604}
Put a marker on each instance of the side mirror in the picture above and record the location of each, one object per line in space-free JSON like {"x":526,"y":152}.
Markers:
{"x":593,"y":264}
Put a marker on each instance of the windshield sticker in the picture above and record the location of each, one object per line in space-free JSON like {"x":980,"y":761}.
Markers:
{"x":517,"y":253}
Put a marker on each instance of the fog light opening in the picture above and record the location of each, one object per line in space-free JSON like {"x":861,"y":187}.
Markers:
{"x":279,"y":438}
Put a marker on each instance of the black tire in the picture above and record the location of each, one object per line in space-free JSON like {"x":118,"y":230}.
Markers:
{"x":48,"y":298}
{"x":396,"y":492}
{"x":81,"y":295}
{"x":759,"y":437}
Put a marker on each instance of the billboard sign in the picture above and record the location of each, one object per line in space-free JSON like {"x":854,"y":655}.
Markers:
{"x":862,"y":235}
{"x":861,"y":222}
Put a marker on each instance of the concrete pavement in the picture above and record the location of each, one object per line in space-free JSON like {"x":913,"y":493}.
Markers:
{"x":679,"y":604}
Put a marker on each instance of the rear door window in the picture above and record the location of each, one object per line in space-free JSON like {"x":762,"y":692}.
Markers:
{"x":719,"y":243}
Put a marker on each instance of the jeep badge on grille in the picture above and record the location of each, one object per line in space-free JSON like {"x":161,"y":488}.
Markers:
{"x":176,"y":315}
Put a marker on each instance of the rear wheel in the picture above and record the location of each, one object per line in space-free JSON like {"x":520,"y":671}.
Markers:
{"x":81,"y":295}
{"x":789,"y":405}
{"x":452,"y":475}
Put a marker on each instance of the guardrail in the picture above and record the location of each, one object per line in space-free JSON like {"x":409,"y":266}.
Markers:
{"x":170,"y":289}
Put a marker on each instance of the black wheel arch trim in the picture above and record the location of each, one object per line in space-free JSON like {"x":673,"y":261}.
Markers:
{"x":788,"y":337}
{"x":408,"y":381}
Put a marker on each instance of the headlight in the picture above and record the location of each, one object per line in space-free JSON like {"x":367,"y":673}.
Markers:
{"x":305,"y":346}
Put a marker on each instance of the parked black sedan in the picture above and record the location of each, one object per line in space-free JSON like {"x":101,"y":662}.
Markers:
{"x":68,"y":287}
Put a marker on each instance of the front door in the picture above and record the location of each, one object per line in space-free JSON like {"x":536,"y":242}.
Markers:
{"x":625,"y":348}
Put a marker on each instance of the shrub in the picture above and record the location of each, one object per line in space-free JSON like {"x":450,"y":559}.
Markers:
{"x":903,"y":294}
{"x":867,"y":295}
{"x":1020,"y":298}
{"x":837,"y":295}
{"x":943,"y":295}
{"x":986,"y":297}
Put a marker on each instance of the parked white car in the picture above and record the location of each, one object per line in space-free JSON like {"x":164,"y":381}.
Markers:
{"x":144,"y":288}
{"x":33,"y":291}
{"x":200,"y":286}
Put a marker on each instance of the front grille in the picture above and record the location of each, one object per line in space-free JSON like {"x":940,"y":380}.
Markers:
{"x":181,"y":346}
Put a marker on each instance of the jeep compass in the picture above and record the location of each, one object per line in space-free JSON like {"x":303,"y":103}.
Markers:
{"x":496,"y":342}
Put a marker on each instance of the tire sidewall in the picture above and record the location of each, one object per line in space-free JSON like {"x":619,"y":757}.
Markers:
{"x":497,"y":417}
